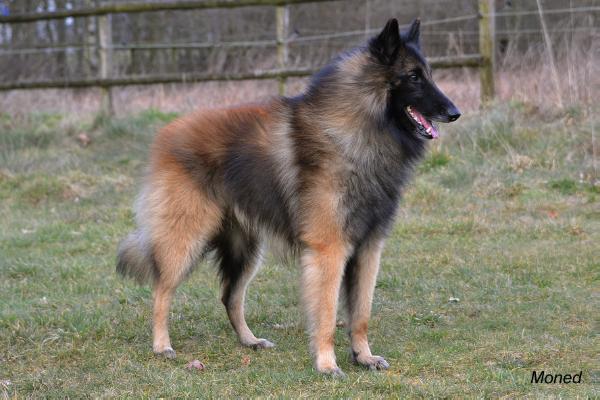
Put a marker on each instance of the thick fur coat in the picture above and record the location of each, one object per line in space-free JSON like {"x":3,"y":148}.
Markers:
{"x":323,"y":171}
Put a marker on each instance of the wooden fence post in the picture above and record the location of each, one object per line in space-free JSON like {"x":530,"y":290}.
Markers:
{"x":487,"y":50}
{"x":105,"y":56}
{"x":367,"y":18}
{"x":283,"y":19}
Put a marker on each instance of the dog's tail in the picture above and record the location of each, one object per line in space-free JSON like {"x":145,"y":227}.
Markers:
{"x":135,"y":259}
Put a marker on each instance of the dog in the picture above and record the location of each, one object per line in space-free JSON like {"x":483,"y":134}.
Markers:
{"x":323,"y":171}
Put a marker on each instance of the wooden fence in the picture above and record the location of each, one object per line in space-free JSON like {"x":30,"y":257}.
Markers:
{"x":484,"y":60}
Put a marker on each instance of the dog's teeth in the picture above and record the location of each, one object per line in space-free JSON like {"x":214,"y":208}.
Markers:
{"x":414,"y":117}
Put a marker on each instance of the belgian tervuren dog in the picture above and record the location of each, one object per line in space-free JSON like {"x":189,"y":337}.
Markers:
{"x":323,"y":171}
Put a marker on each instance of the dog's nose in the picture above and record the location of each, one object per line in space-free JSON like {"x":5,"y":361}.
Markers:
{"x":453,"y":117}
{"x":453,"y":114}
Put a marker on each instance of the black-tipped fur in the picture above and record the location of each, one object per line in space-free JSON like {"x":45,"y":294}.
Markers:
{"x":135,"y":259}
{"x":387,"y":44}
{"x":236,"y":248}
{"x":412,"y":35}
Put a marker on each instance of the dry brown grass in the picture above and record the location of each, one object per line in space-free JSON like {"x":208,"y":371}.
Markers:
{"x":180,"y":97}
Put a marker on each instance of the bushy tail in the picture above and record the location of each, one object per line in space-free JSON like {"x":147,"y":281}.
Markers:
{"x":134,"y":258}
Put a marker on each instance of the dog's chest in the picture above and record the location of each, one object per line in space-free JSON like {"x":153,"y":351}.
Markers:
{"x":370,"y":190}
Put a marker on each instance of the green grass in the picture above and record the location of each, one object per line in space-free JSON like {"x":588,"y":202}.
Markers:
{"x":502,"y":215}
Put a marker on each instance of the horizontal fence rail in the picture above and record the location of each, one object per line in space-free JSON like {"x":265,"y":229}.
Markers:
{"x":140,"y":7}
{"x":473,"y":60}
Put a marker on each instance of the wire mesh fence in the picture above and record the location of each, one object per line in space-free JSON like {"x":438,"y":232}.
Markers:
{"x":164,"y":41}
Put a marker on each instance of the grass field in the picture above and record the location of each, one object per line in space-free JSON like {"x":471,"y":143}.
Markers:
{"x":503,"y":215}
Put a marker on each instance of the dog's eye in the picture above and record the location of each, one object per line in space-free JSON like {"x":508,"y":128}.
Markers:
{"x":414,"y":78}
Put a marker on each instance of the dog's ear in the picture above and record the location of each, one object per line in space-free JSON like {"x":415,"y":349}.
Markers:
{"x":385,"y":46}
{"x":411,"y":35}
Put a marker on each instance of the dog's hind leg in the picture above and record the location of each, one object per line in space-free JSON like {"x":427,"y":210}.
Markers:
{"x":181,"y":221}
{"x":240,"y":256}
{"x":359,"y":284}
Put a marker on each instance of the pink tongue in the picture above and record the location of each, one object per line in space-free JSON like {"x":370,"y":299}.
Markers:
{"x":433,"y":132}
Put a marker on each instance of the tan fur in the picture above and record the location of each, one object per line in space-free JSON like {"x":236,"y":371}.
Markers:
{"x":181,"y":217}
{"x":360,"y":300}
{"x":181,"y":220}
{"x":321,"y":279}
{"x":323,"y":264}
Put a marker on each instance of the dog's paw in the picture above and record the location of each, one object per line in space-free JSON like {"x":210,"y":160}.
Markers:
{"x":166,"y":353}
{"x":261,"y":344}
{"x":372,"y":362}
{"x":335,"y":372}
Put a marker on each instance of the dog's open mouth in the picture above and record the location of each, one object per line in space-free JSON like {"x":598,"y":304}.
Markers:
{"x":425,"y":128}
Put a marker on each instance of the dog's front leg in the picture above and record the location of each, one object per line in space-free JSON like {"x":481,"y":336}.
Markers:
{"x":323,"y":267}
{"x":359,"y":284}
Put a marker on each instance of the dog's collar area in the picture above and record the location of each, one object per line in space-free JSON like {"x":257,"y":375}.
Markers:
{"x":425,"y":128}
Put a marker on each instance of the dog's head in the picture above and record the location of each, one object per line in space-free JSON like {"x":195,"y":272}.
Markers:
{"x":415,"y":101}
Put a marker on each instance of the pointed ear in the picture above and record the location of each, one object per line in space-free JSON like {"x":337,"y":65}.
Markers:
{"x":385,"y":45}
{"x":411,"y":35}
